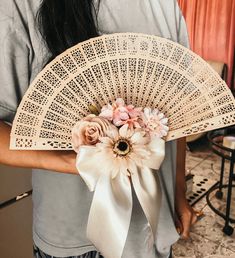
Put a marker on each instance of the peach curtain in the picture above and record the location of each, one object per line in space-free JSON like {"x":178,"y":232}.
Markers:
{"x":211,"y":26}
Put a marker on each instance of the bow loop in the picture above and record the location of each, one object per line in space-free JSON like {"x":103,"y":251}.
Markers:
{"x":110,"y":212}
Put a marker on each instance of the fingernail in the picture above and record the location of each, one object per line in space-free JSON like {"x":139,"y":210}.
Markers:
{"x":200,"y":213}
{"x":178,"y":230}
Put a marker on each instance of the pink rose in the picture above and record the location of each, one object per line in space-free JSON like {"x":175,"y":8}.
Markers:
{"x":88,"y":131}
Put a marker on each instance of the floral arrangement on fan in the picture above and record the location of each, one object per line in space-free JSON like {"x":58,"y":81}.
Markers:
{"x":118,"y":147}
{"x":122,"y":133}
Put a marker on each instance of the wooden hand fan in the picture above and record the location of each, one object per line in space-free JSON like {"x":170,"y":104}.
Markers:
{"x":144,"y":70}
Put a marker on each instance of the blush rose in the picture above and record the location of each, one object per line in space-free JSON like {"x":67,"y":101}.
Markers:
{"x":88,"y":131}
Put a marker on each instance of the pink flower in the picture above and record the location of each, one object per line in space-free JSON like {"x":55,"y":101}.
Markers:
{"x":88,"y":131}
{"x":120,"y":114}
{"x":154,"y":122}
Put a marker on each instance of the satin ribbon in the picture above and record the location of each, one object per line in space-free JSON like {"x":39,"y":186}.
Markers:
{"x":111,"y":207}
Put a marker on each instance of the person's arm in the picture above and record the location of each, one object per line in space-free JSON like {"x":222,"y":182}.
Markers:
{"x":16,"y":67}
{"x":180,"y":167}
{"x":186,"y":216}
{"x":59,"y":161}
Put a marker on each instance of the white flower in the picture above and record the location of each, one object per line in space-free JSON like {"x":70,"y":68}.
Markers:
{"x":155,"y":122}
{"x":123,"y":149}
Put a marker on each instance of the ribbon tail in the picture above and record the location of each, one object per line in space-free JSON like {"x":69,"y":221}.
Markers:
{"x":148,"y":192}
{"x":110,"y":215}
{"x":146,"y":186}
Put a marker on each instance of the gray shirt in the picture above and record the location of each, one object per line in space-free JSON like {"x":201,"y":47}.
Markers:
{"x":61,"y":202}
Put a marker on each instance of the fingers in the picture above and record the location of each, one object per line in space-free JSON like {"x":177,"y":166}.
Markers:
{"x":186,"y":216}
{"x":178,"y":225}
{"x":186,"y":221}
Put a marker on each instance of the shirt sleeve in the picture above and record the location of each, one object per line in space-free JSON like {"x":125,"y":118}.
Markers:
{"x":14,"y":62}
{"x":182,"y":32}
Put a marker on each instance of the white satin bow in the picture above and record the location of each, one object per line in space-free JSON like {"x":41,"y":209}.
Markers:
{"x":110,"y":212}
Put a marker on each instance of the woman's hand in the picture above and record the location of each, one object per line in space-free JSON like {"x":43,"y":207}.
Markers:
{"x":186,"y":216}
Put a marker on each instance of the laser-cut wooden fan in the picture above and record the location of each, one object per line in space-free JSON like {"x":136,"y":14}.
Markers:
{"x":144,"y":70}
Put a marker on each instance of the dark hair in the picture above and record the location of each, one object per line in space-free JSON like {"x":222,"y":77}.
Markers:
{"x":65,"y":23}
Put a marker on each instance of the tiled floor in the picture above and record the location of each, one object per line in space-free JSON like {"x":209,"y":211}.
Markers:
{"x":207,"y":239}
